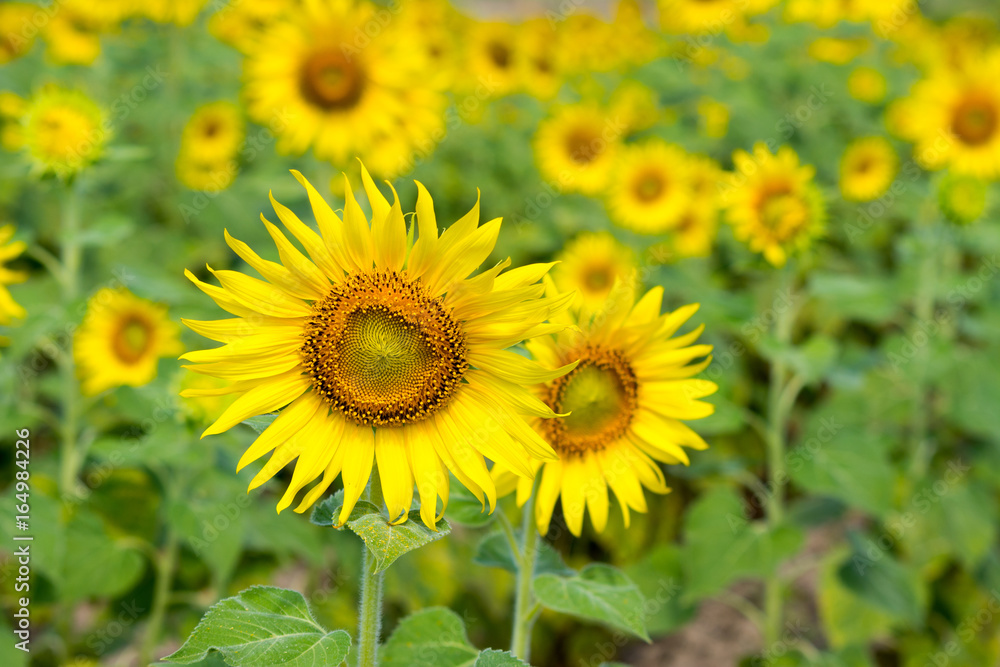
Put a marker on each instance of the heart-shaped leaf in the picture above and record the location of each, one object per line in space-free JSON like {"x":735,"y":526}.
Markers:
{"x":599,"y":593}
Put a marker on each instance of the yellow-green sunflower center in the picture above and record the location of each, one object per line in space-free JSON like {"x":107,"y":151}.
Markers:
{"x":783,"y":213}
{"x":649,"y":185}
{"x":132,"y":339}
{"x":975,"y":121}
{"x":382,"y":352}
{"x":601,"y":392}
{"x":331,"y":81}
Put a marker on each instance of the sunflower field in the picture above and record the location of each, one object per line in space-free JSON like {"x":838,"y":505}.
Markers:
{"x":565,"y":333}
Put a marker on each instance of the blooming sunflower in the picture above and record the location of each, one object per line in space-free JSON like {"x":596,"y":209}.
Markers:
{"x":695,"y":232}
{"x":63,"y":130}
{"x":577,"y":147}
{"x":954,"y":119}
{"x":591,"y":264}
{"x":121,"y":339}
{"x":73,"y":34}
{"x":626,"y":401}
{"x":178,"y":12}
{"x":493,"y":56}
{"x":9,"y":308}
{"x":963,"y":199}
{"x":838,"y":51}
{"x":241,"y":24}
{"x":867,"y":168}
{"x":713,"y":121}
{"x":213,"y":133}
{"x":12,"y":107}
{"x":319,"y":81}
{"x":205,"y":176}
{"x":383,"y":352}
{"x":773,"y":203}
{"x":700,"y":17}
{"x":650,"y":187}
{"x":17,"y":33}
{"x":866,"y":84}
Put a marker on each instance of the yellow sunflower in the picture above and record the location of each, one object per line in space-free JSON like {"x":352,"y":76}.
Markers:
{"x":493,"y":57}
{"x":713,"y":118}
{"x":382,"y":352}
{"x":317,"y":80}
{"x":695,"y":233}
{"x":773,"y":203}
{"x":214,"y":132}
{"x":701,"y":17}
{"x":121,"y":340}
{"x":73,"y":34}
{"x":626,"y":400}
{"x":539,"y":66}
{"x":838,"y":51}
{"x":954,"y":119}
{"x":205,"y":176}
{"x":241,"y":24}
{"x":636,"y":105}
{"x":590,"y":265}
{"x":64,"y":130}
{"x":17,"y":32}
{"x":866,"y":84}
{"x":576,"y":148}
{"x":12,"y":107}
{"x":650,"y":187}
{"x":9,"y":308}
{"x":963,"y":199}
{"x":867,"y":169}
{"x":178,"y":12}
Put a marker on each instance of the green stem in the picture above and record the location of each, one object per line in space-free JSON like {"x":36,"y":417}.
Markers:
{"x":920,"y":445}
{"x":524,"y":612}
{"x":778,"y":406}
{"x":370,"y":618}
{"x":166,"y":561}
{"x":71,"y":255}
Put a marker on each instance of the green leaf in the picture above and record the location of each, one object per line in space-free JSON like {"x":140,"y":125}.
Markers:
{"x":494,"y":658}
{"x":264,"y":626}
{"x":599,"y":593}
{"x":494,"y":551}
{"x":875,"y":576}
{"x":384,"y":540}
{"x":847,"y":618}
{"x":659,"y":575}
{"x":811,"y":360}
{"x":432,"y":637}
{"x":260,"y":423}
{"x":10,"y":655}
{"x":721,"y":546}
{"x":465,"y":509}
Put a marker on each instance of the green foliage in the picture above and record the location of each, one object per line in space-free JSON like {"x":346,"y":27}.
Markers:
{"x":494,"y":551}
{"x":436,"y":637}
{"x":264,"y":626}
{"x":599,"y":593}
{"x":385,"y":541}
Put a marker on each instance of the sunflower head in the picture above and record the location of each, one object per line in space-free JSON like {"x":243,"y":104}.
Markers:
{"x":591,"y":264}
{"x":773,"y":204}
{"x":650,"y":187}
{"x":867,"y":169}
{"x":621,"y":409}
{"x":381,"y":349}
{"x":213,"y":133}
{"x":121,"y":340}
{"x":64,"y":131}
{"x":577,"y":148}
{"x":867,"y":84}
{"x":8,"y":251}
{"x":963,"y":199}
{"x":17,"y":33}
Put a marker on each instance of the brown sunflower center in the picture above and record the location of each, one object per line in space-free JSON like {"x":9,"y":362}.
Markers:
{"x":331,"y":81}
{"x":583,"y":145}
{"x":975,"y":121}
{"x":601,"y":393}
{"x":499,"y":54}
{"x":382,"y":352}
{"x":649,"y":186}
{"x":598,"y":278}
{"x":132,"y":339}
{"x":211,"y":127}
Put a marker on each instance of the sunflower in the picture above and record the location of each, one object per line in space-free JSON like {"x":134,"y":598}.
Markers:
{"x":838,"y":51}
{"x":493,"y":57}
{"x":205,"y":176}
{"x":700,"y":17}
{"x":963,"y":199}
{"x":773,"y":203}
{"x":241,"y":24}
{"x":576,"y":148}
{"x":713,"y":118}
{"x":383,"y":352}
{"x":866,"y":84}
{"x":9,"y":308}
{"x":17,"y":33}
{"x":695,"y":233}
{"x":319,"y":81}
{"x":73,"y":34}
{"x":178,"y":12}
{"x":954,"y":119}
{"x":636,"y":105}
{"x":650,"y":187}
{"x":214,"y":133}
{"x":539,"y":66}
{"x":867,"y":169}
{"x":63,"y":130}
{"x":590,"y":264}
{"x":121,"y":340}
{"x":12,"y":107}
{"x":625,"y":402}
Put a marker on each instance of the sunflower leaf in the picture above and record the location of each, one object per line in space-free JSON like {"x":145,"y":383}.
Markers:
{"x":599,"y":593}
{"x":436,"y":637}
{"x":494,"y":551}
{"x":260,"y":423}
{"x":385,"y":541}
{"x":264,"y":626}
{"x":465,"y":509}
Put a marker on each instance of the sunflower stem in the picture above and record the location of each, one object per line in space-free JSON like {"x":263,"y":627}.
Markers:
{"x":524,"y":611}
{"x":781,"y":396}
{"x":165,"y":562}
{"x":370,"y":616}
{"x":923,"y":306}
{"x":71,"y":259}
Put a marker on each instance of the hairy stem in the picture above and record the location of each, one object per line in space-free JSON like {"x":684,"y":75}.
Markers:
{"x":370,"y":616}
{"x":70,"y":259}
{"x":524,"y":616}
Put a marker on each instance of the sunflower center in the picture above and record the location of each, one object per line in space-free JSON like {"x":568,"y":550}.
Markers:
{"x":975,"y":121}
{"x":64,"y":133}
{"x":382,"y":352}
{"x":649,"y":186}
{"x":783,"y":214}
{"x":132,"y":339}
{"x":583,"y":145}
{"x":598,"y":278}
{"x":331,"y":81}
{"x":601,"y":393}
{"x":211,"y":128}
{"x":864,"y":164}
{"x":499,"y":54}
